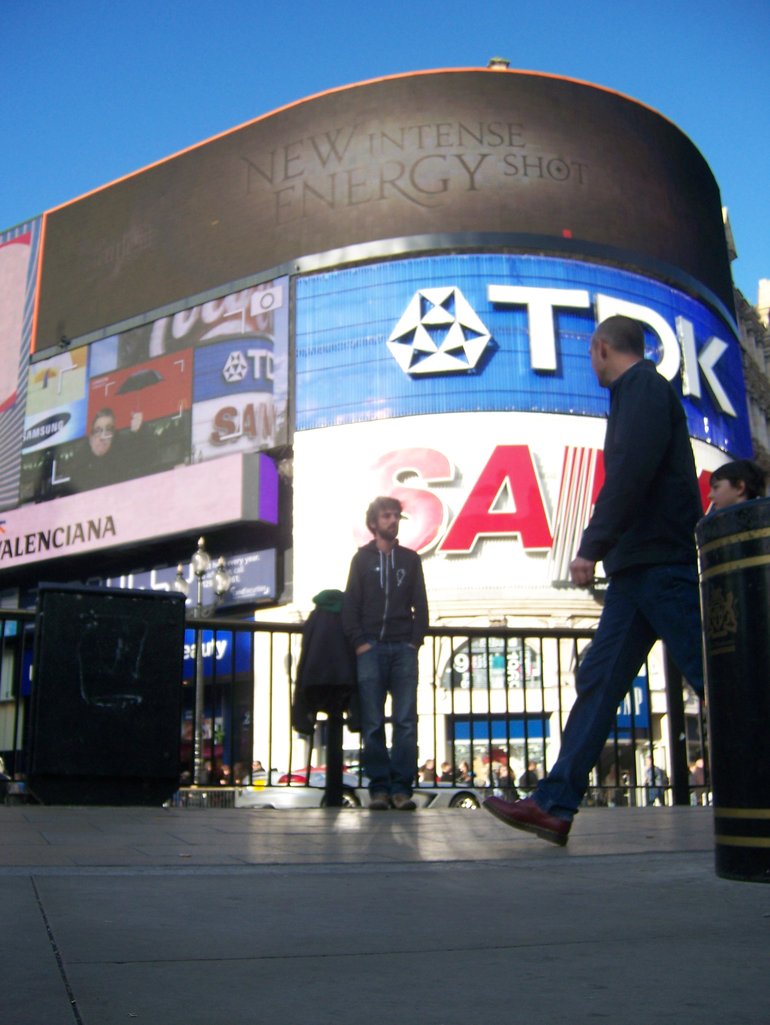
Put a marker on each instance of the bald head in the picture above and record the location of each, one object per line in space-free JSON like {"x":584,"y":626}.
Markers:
{"x":623,"y":335}
{"x":616,"y":344}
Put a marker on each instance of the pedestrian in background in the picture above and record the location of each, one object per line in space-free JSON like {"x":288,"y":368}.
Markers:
{"x":528,"y":780}
{"x":655,"y":782}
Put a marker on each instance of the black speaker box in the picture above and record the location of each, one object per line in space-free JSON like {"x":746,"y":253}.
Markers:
{"x":106,"y":695}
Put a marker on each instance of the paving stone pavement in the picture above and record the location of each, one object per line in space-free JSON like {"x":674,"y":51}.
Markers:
{"x":349,"y":917}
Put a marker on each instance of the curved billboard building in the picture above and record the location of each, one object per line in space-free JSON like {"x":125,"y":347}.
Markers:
{"x":387,"y":288}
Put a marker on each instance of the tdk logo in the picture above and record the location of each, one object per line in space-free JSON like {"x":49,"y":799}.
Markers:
{"x":257,"y":364}
{"x":439,"y":333}
{"x":235,"y":368}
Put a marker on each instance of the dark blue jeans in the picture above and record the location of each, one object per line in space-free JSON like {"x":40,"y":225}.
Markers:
{"x":389,"y":668}
{"x":641,"y":605}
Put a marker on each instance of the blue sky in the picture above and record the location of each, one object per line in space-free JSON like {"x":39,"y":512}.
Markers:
{"x":94,"y":90}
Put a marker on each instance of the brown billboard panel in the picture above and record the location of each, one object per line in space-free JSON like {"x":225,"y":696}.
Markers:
{"x":520,"y":160}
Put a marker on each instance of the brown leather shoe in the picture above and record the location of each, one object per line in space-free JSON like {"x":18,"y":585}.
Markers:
{"x":403,"y":802}
{"x":527,"y":815}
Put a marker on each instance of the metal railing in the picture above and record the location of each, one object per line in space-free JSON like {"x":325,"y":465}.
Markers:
{"x":17,"y":636}
{"x":492,"y":704}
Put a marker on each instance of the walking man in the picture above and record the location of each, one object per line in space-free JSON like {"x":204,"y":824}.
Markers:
{"x":385,"y":617}
{"x":642,"y":528}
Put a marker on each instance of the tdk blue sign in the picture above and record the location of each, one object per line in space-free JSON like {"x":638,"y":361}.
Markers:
{"x":501,"y":333}
{"x":237,"y":366}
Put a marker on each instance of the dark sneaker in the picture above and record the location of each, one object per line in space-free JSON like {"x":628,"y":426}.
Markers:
{"x":403,"y":802}
{"x":379,"y":802}
{"x":529,"y":816}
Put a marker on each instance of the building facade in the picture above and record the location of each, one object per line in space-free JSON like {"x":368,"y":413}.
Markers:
{"x":387,"y":288}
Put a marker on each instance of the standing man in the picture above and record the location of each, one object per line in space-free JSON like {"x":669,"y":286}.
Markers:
{"x":655,"y":780}
{"x":642,"y":528}
{"x":385,"y":617}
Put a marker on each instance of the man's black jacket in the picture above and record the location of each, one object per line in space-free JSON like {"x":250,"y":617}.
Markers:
{"x":646,"y":511}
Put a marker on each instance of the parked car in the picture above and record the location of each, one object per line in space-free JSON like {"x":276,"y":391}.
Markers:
{"x":297,"y":790}
{"x":449,"y":795}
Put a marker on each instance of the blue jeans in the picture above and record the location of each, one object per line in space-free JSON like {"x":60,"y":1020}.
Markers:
{"x":389,"y":667}
{"x":641,"y":605}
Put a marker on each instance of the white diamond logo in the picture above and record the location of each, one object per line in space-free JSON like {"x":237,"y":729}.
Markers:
{"x":439,"y":333}
{"x":235,"y":368}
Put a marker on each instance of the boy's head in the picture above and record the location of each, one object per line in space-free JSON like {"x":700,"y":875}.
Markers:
{"x":736,"y":481}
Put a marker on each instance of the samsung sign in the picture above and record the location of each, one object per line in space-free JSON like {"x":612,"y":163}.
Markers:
{"x":486,"y":332}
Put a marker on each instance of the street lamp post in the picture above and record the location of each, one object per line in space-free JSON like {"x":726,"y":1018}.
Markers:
{"x":200,"y":564}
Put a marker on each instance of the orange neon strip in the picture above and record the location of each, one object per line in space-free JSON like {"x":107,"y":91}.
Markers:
{"x":38,"y":276}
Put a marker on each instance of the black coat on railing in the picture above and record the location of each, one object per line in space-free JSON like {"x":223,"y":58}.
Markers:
{"x":326,"y":674}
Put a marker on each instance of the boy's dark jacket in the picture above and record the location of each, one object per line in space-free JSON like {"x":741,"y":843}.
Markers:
{"x":385,"y":598}
{"x":326,"y":673}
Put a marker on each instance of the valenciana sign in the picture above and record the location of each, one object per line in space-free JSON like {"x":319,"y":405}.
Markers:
{"x":138,"y":511}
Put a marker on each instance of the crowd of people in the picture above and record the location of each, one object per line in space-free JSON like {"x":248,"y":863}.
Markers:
{"x":216,"y":773}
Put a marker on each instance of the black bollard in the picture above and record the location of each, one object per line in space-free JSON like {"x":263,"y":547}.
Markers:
{"x":333,"y":791}
{"x":734,"y":555}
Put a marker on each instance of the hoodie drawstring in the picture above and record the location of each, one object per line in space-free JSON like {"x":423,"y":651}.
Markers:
{"x":384,"y":584}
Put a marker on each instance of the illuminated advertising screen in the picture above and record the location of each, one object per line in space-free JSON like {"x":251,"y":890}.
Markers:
{"x":432,"y":160}
{"x":209,"y":381}
{"x":225,"y":655}
{"x":142,"y":511}
{"x":252,"y":580}
{"x":495,"y":502}
{"x":493,"y":332}
{"x":463,"y":386}
{"x":18,"y":267}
